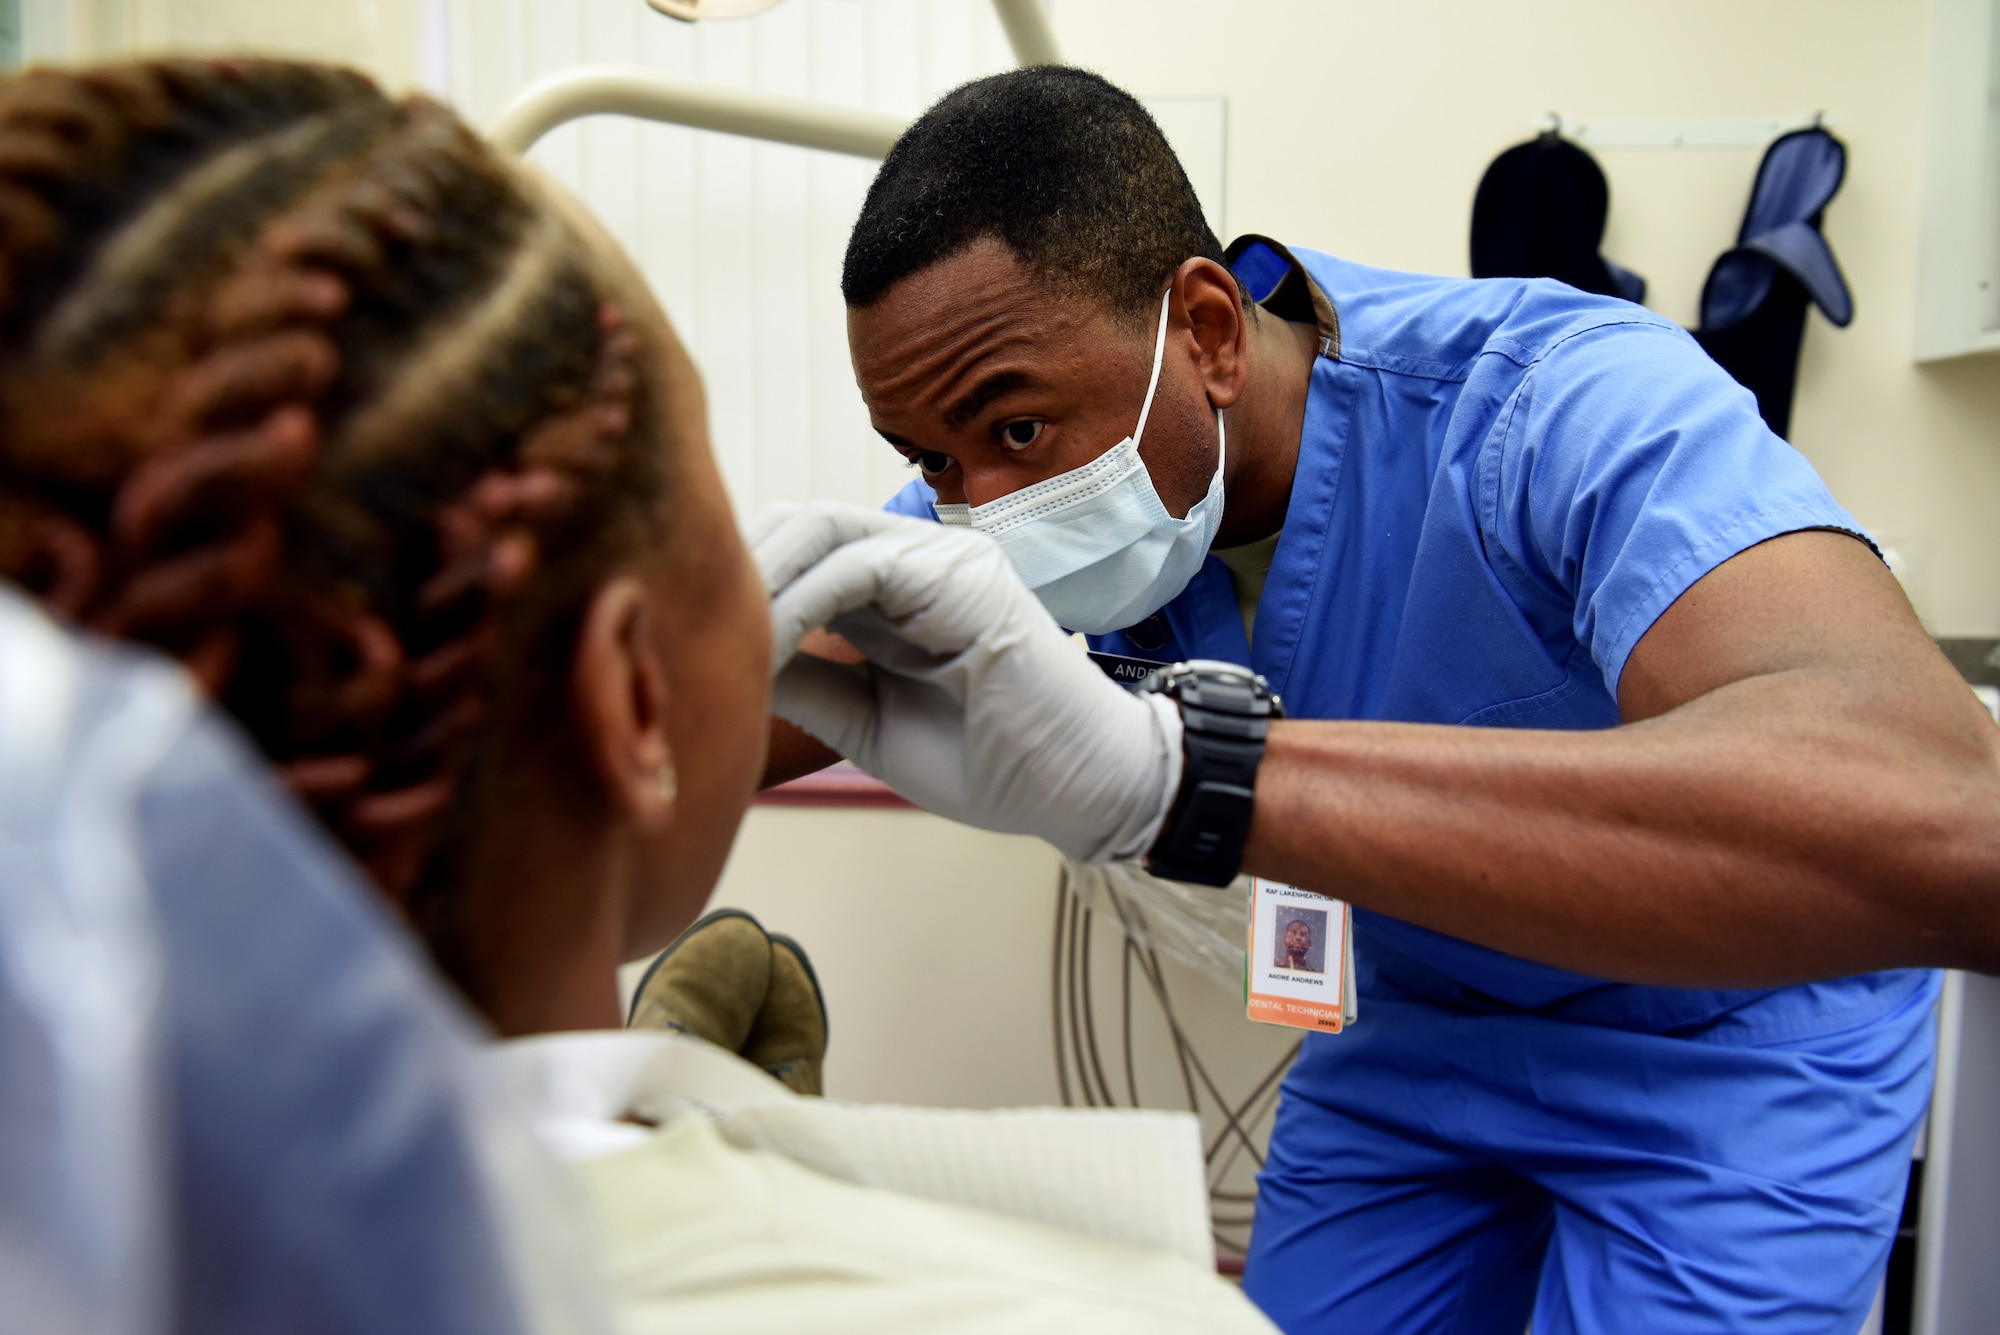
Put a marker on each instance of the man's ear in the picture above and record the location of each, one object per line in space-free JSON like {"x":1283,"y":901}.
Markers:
{"x":1214,"y":306}
{"x":618,"y":688}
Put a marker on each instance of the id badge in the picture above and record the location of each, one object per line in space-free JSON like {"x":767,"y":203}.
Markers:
{"x":1300,"y":971}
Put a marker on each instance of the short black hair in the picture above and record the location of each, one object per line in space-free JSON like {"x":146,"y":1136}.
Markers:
{"x":1063,"y":166}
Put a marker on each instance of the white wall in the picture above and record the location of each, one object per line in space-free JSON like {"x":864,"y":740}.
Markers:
{"x":1362,"y":128}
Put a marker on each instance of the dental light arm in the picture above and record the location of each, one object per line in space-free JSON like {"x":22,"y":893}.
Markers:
{"x":597,"y":90}
{"x":593,"y":90}
{"x":1028,"y":32}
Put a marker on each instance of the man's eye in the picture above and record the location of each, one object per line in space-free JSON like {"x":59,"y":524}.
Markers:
{"x":931,"y":462}
{"x":1020,"y":435}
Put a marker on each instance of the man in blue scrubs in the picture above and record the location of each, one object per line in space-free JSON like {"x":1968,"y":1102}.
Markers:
{"x":1647,"y":787}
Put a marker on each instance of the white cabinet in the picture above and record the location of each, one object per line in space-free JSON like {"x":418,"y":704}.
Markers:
{"x":1958,"y":262}
{"x":1958,"y":1238}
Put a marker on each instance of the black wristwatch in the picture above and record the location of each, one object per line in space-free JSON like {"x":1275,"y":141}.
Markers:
{"x":1226,"y":711}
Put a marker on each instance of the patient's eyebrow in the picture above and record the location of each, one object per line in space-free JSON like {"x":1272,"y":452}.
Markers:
{"x":974,"y":401}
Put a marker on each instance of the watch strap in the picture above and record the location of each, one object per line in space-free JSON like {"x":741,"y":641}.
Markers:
{"x":1202,"y":838}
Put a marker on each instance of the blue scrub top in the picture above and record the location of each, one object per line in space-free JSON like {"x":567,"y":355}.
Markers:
{"x":1501,"y":485}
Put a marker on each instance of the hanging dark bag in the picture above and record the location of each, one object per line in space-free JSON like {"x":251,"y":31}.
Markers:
{"x":1753,"y":306}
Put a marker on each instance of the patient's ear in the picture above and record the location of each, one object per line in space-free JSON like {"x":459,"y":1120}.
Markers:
{"x":618,"y":687}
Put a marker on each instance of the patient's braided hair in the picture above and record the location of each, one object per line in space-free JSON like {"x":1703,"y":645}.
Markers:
{"x":298,"y":384}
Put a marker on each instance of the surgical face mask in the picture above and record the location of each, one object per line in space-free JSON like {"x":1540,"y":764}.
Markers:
{"x":1096,"y":544}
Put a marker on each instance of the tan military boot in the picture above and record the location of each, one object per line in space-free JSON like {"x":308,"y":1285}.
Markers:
{"x":711,"y":982}
{"x":789,"y":1037}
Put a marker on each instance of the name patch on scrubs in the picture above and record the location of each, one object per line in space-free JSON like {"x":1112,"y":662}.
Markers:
{"x":1126,"y":671}
{"x":1300,"y":972}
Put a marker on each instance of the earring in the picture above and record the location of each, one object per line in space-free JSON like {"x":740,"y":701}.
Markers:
{"x":670,"y":783}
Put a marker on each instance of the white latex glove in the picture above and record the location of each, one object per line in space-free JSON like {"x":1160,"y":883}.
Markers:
{"x":973,"y":703}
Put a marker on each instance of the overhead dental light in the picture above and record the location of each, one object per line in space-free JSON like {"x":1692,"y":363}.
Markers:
{"x":687,"y":11}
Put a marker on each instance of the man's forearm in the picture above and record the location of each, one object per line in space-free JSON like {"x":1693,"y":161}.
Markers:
{"x":793,"y":754}
{"x":1774,"y":831}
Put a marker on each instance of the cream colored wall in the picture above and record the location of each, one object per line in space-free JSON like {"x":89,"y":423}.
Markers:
{"x":1362,"y":128}
{"x":931,"y":942}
